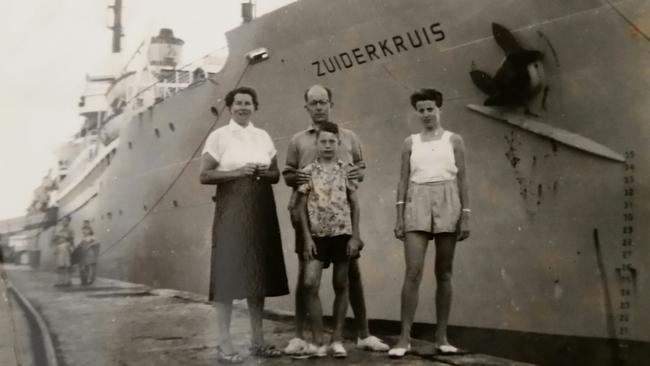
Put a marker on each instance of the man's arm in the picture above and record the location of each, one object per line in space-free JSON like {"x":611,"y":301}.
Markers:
{"x":357,"y":172}
{"x":291,"y":164}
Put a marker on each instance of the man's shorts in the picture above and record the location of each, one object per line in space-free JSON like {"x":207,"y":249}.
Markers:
{"x":332,"y":249}
{"x":432,"y":207}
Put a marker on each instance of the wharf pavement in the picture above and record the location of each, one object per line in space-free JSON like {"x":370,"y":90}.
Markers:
{"x":119,"y":323}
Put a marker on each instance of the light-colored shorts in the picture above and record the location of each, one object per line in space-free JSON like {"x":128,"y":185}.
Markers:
{"x":432,"y":207}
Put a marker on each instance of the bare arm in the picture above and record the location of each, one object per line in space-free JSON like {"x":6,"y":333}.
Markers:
{"x":294,"y":177}
{"x":309,"y":249}
{"x":210,"y":175}
{"x":354,"y":244}
{"x":402,"y":187}
{"x":358,"y":170}
{"x":289,"y":173}
{"x":461,"y":178}
{"x":355,"y":211}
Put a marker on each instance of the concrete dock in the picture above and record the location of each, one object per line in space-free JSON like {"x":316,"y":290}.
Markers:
{"x":118,"y":323}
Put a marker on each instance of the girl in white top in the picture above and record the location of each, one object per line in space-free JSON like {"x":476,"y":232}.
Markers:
{"x":433,"y":160}
{"x":432,"y":203}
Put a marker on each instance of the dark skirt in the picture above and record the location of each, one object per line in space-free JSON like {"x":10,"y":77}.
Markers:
{"x":247,"y":258}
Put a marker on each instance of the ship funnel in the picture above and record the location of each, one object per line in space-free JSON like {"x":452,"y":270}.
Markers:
{"x":247,"y":11}
{"x":165,"y":50}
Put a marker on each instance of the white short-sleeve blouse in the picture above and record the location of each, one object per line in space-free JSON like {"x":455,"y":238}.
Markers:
{"x":234,"y":146}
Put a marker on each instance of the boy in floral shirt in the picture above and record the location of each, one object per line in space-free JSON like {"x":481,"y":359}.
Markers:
{"x":329,"y":216}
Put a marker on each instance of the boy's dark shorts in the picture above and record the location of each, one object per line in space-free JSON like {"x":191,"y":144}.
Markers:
{"x":332,"y":249}
{"x":299,"y":242}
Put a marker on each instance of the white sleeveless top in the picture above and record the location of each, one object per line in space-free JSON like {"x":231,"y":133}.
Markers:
{"x":432,"y":161}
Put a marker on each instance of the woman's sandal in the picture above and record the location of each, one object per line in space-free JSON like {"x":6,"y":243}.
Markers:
{"x":229,"y":358}
{"x":265,"y":351}
{"x":449,"y":350}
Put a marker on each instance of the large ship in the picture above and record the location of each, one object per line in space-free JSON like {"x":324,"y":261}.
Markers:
{"x":558,"y":184}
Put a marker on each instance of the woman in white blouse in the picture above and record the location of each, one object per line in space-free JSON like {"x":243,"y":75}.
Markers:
{"x":247,"y":260}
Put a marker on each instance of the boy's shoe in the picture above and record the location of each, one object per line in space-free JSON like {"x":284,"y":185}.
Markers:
{"x":313,"y":350}
{"x":338,"y":351}
{"x":372,"y":343}
{"x":296,"y":347}
{"x":399,"y":352}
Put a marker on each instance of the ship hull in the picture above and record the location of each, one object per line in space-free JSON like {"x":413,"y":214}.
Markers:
{"x":548,"y":251}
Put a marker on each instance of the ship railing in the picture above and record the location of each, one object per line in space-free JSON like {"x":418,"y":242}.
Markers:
{"x":82,"y":171}
{"x":61,"y":171}
{"x":172,"y":81}
{"x":81,"y":162}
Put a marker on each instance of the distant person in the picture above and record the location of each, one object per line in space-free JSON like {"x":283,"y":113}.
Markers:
{"x":301,"y":152}
{"x":64,"y":243}
{"x":86,"y":254}
{"x":247,"y":260}
{"x":88,"y":229}
{"x":432,"y":203}
{"x":329,"y":219}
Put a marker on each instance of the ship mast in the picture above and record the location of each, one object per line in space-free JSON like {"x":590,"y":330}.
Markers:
{"x":117,"y":25}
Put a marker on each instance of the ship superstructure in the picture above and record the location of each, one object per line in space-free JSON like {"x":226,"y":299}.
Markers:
{"x":153,"y":74}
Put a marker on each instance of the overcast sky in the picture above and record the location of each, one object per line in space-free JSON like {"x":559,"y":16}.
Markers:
{"x":50,"y":46}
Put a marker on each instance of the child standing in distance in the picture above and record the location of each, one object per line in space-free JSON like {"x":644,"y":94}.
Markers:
{"x":87,"y":235}
{"x":329,"y":216}
{"x":85,"y":255}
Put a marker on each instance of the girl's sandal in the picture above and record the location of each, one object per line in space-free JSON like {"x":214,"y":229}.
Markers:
{"x":229,"y":358}
{"x":265,"y":351}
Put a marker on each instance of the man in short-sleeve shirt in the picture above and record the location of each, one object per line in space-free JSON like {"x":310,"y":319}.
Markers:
{"x":301,"y":152}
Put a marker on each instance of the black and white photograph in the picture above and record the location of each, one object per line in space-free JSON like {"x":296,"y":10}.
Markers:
{"x":325,"y":182}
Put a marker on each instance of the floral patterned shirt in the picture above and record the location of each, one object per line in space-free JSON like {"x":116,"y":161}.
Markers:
{"x":328,"y":207}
